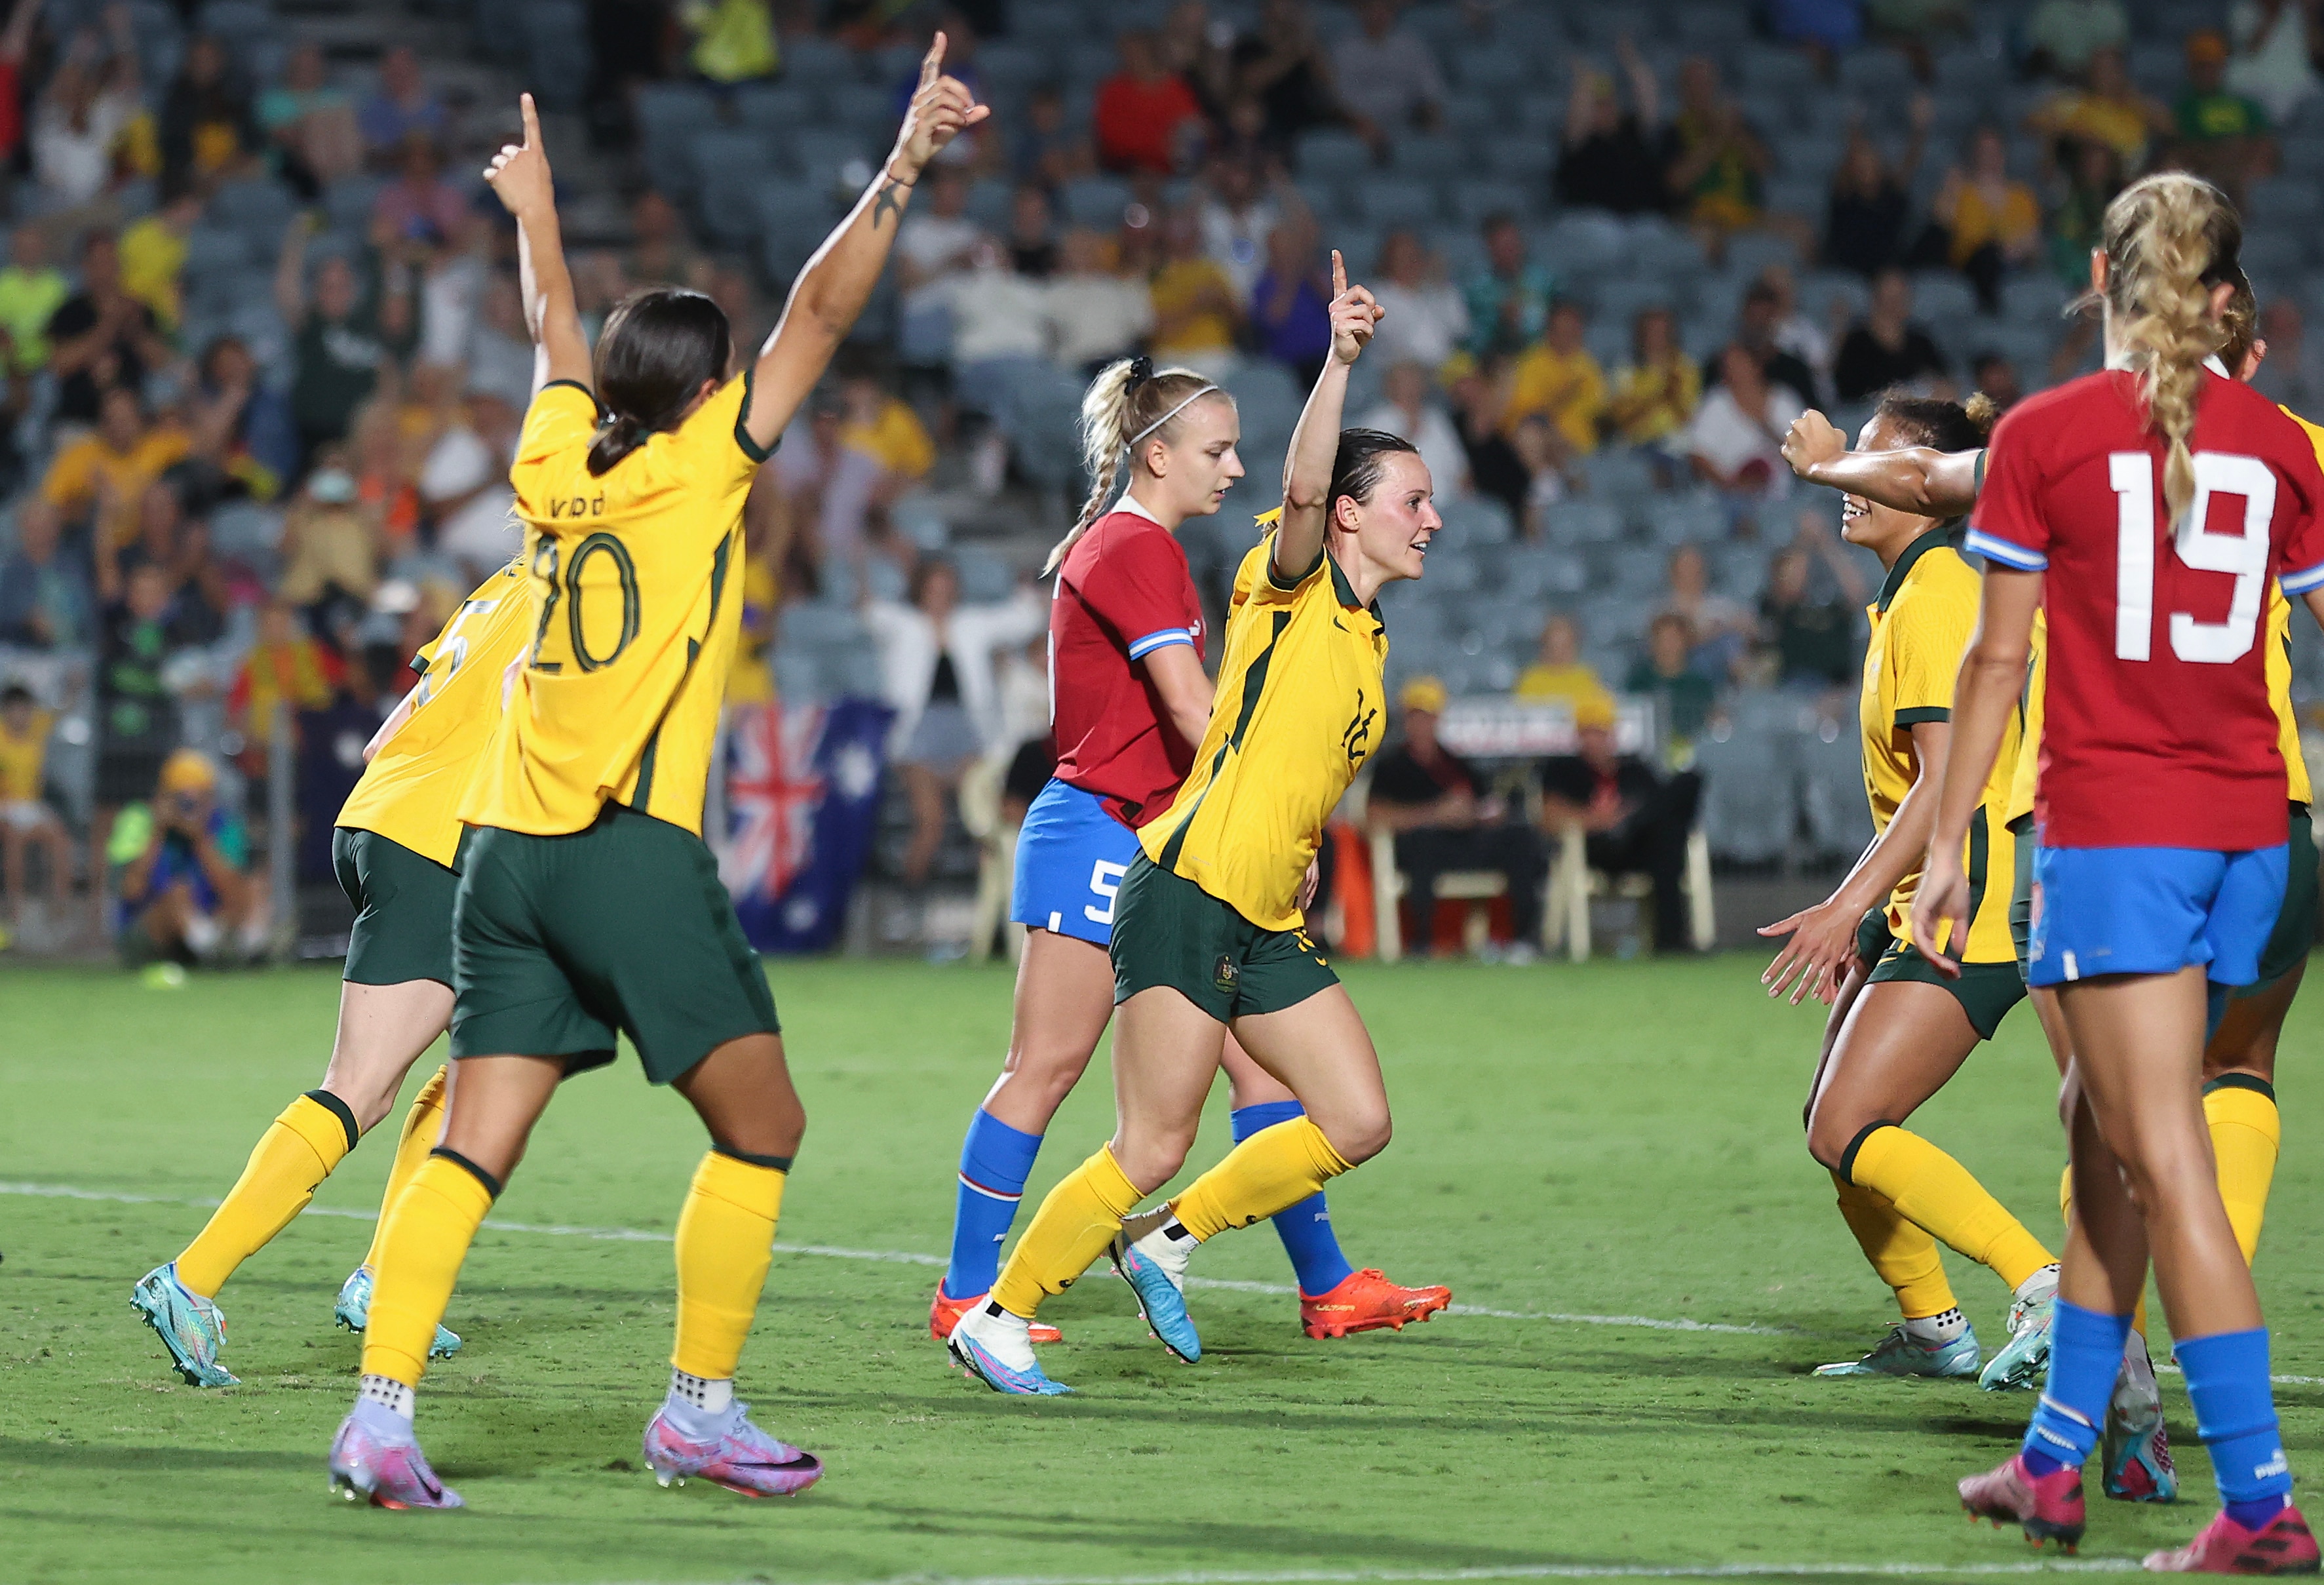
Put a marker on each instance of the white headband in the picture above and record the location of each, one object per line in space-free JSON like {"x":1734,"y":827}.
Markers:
{"x":1172,"y":413}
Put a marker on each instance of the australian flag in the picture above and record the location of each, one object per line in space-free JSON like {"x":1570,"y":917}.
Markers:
{"x":802,"y":801}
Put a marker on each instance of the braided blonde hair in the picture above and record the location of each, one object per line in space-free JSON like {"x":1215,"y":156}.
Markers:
{"x":1123,"y":401}
{"x":2169,"y":238}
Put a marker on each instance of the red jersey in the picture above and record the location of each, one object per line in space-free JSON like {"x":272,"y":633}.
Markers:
{"x":1123,"y":591}
{"x":2157,"y":730}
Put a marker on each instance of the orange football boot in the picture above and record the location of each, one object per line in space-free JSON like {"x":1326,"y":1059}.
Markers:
{"x":944,"y":1313}
{"x":1366,"y":1301}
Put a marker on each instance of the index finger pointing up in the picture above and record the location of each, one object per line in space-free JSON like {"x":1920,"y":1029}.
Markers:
{"x":932,"y":62}
{"x":1339,"y":275}
{"x":531,"y":121}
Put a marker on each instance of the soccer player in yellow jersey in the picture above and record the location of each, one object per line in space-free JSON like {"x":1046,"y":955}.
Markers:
{"x":1207,"y":933}
{"x":588,"y":901}
{"x":1899,"y":1030}
{"x":394,"y":849}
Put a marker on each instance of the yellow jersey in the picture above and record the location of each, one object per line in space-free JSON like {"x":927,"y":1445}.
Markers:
{"x":23,"y":760}
{"x":410,"y":791}
{"x":635,"y":621}
{"x":1298,"y":712}
{"x":1920,"y":624}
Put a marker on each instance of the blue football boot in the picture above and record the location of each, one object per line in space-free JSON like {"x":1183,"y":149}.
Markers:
{"x":189,"y":1326}
{"x":353,"y":1312}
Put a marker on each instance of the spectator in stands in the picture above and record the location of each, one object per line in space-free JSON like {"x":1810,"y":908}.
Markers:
{"x":2062,"y":35}
{"x":152,"y":254}
{"x":2275,"y":44}
{"x":1406,"y":409}
{"x":1887,"y":348}
{"x":1001,"y":338}
{"x":84,"y":121}
{"x":1032,"y":236}
{"x":1718,"y":160}
{"x":187,"y":897}
{"x":1993,"y":374}
{"x":1445,"y":817}
{"x":1558,"y":379}
{"x":1146,"y":121}
{"x":340,"y":340}
{"x":27,"y":824}
{"x":46,"y":601}
{"x":1758,"y":330}
{"x":1719,"y":629}
{"x":31,"y":289}
{"x":1655,"y":394}
{"x":419,"y":205}
{"x":2292,"y":372}
{"x":1049,"y":148}
{"x":15,"y":41}
{"x":1290,"y":306}
{"x":1635,"y":821}
{"x":311,"y":123}
{"x":1610,"y":157}
{"x":208,"y":126}
{"x":933,"y":243}
{"x":500,"y":350}
{"x":1496,"y":468}
{"x":1811,"y":639}
{"x":1558,"y":672}
{"x":1096,"y":315}
{"x":1284,"y":65}
{"x":662,"y":253}
{"x":1201,"y":50}
{"x":2220,"y":134}
{"x":136,"y":713}
{"x":463,"y":485}
{"x":1864,"y":222}
{"x":330,"y":542}
{"x":1386,"y":77}
{"x":2109,"y":110}
{"x":1736,"y":440}
{"x":733,"y":40}
{"x":937,"y":659}
{"x":830,"y":488}
{"x":286,"y":667}
{"x":399,"y":106}
{"x":382,"y":460}
{"x":1991,"y":221}
{"x":1682,"y":692}
{"x":1427,"y":317}
{"x":877,"y":424}
{"x":1822,"y":28}
{"x":1198,"y":315}
{"x":1237,"y":218}
{"x":101,"y":338}
{"x":102,"y":475}
{"x":2093,"y":177}
{"x":203,"y":600}
{"x":1793,"y":334}
{"x":238,"y":425}
{"x":1509,"y":300}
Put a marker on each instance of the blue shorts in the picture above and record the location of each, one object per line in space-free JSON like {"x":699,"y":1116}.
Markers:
{"x":2150,"y":910}
{"x":1071,"y":857}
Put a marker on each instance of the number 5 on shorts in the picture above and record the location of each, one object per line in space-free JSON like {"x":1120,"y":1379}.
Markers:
{"x":1105,"y":879}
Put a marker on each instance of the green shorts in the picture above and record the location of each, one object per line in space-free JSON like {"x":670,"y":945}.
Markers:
{"x":1170,"y":931}
{"x":1985,"y":991}
{"x":2294,"y":935}
{"x":558,"y":940}
{"x":403,"y":910}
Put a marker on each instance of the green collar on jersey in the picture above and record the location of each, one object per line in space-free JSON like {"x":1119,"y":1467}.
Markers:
{"x":1944,"y":534}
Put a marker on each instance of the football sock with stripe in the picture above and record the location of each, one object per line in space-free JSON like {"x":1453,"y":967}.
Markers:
{"x":726,"y":1243}
{"x":297,"y":1151}
{"x":423,"y":1129}
{"x":1075,"y":1223}
{"x":1275,"y":1168}
{"x":2235,"y":1415}
{"x":2246,"y":1131}
{"x":1903,"y":1253}
{"x":2085,"y":1357}
{"x":428,"y":1231}
{"x":1935,"y":1191}
{"x":995,"y":1160}
{"x":1306,"y":1229}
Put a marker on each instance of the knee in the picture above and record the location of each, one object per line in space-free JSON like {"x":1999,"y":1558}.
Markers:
{"x":1360,"y":1138}
{"x":1150,"y":1157}
{"x":1832,"y":1136}
{"x":1044,"y":1074}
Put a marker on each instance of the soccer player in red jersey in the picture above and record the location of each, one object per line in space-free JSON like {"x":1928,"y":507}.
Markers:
{"x":2143,"y":508}
{"x":1129,"y":701}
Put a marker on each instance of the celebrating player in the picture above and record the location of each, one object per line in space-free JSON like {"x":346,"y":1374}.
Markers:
{"x":587,"y":900}
{"x":1899,"y":1030}
{"x":1208,"y":935}
{"x":393,"y":850}
{"x":1129,"y":702}
{"x":2160,"y":832}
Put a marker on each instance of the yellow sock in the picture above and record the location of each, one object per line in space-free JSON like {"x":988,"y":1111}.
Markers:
{"x":1076,"y":1220}
{"x":1937,"y":1193}
{"x":297,"y":1151}
{"x":2245,"y":1133}
{"x":725,"y":1241}
{"x":423,"y":1126}
{"x":1273,"y":1169}
{"x":428,"y":1230}
{"x":1903,"y":1254}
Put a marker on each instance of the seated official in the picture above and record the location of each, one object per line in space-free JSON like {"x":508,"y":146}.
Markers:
{"x":1436,"y":805}
{"x":187,"y":896}
{"x":1636,"y":822}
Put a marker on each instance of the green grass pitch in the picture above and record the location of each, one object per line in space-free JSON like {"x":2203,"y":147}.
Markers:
{"x":1619,"y":1140}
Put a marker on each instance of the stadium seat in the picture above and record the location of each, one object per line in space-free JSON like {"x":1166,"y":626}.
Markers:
{"x":1477,"y":520}
{"x":1330,"y":154}
{"x":1565,"y":918}
{"x":1582,"y":520}
{"x":1096,"y":201}
{"x":1941,"y":299}
{"x":1832,"y":765}
{"x":1428,"y":157}
{"x":1537,"y":572}
{"x":1483,"y":69}
{"x":1749,"y":808}
{"x":1395,"y":200}
{"x":730,"y":217}
{"x":778,"y":109}
{"x":1621,"y":474}
{"x":1521,"y":159}
{"x":1583,"y":242}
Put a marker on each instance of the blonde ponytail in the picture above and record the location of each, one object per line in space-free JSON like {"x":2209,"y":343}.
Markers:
{"x":1128,"y":401}
{"x":2169,"y":239}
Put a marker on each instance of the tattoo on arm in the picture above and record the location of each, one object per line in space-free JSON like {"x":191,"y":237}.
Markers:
{"x":889,"y":203}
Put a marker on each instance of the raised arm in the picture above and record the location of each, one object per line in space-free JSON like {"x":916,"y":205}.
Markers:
{"x":833,"y":289}
{"x":1316,"y":443}
{"x":1916,"y":479}
{"x":520,"y":174}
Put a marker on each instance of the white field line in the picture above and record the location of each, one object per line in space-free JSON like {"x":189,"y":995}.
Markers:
{"x":1753,"y":1570}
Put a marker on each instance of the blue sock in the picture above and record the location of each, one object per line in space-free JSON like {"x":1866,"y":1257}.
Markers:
{"x":2085,"y":1357}
{"x":1306,"y":1229}
{"x":2234,"y":1414}
{"x":995,"y":1160}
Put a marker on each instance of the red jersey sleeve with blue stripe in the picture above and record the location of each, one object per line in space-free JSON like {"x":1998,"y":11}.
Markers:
{"x":1138,"y":588}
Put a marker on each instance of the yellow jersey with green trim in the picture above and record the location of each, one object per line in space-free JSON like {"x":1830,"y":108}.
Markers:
{"x":1922,"y":622}
{"x":2025,"y":776}
{"x":1298,"y":711}
{"x":411,"y":792}
{"x":635,"y":617}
